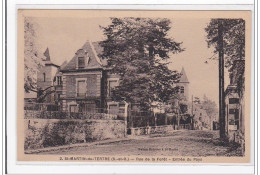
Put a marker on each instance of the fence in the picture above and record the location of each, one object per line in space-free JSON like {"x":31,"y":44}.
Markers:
{"x":41,"y":107}
{"x":69,"y":115}
{"x":134,"y":118}
{"x":51,"y":111}
{"x":143,"y":119}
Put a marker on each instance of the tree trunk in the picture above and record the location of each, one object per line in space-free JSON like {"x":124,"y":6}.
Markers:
{"x":222,"y":122}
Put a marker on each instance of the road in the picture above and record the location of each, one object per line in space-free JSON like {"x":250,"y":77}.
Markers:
{"x":178,"y":143}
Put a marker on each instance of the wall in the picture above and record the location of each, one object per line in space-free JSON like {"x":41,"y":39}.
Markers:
{"x":151,"y":130}
{"x":41,"y":133}
{"x":49,"y":75}
{"x":186,"y":90}
{"x":93,"y":85}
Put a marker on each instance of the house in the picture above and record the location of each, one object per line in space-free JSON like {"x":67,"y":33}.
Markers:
{"x":201,"y":119}
{"x":235,"y":103}
{"x":84,"y":84}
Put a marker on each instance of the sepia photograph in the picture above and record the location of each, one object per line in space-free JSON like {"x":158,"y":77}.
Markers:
{"x":134,"y":86}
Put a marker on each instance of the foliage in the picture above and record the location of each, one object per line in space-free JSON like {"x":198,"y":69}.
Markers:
{"x":233,"y":38}
{"x":233,"y":45}
{"x":33,"y":58}
{"x":209,"y":106}
{"x":137,"y":49}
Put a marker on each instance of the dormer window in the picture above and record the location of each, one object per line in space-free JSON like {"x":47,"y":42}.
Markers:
{"x":81,"y":62}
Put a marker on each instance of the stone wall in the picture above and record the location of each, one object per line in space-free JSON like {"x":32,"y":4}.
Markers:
{"x":41,"y":133}
{"x":151,"y":130}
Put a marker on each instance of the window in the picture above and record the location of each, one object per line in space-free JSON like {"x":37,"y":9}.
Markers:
{"x":73,"y":108}
{"x":182,"y":89}
{"x":59,"y":80}
{"x":81,"y":62}
{"x":233,"y":111}
{"x":44,"y":77}
{"x":233,"y":119}
{"x":111,"y":85}
{"x":113,"y":109}
{"x":81,"y":88}
{"x":233,"y":101}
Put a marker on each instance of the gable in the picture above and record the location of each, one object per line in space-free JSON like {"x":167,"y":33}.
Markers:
{"x":90,"y":56}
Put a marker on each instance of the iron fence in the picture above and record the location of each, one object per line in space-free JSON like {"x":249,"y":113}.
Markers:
{"x":69,"y":115}
{"x":53,"y":111}
{"x":149,"y":118}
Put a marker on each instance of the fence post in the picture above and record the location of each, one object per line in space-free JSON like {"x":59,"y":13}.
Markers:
{"x":125,"y":118}
{"x":155,"y":119}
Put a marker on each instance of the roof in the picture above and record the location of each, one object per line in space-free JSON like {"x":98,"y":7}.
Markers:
{"x":89,"y":51}
{"x":183,"y":78}
{"x":58,"y":73}
{"x":47,"y":60}
{"x":47,"y":54}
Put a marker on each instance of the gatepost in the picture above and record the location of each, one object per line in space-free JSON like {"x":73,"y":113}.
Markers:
{"x":125,"y":117}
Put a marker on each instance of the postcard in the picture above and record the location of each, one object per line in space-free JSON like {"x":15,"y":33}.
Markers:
{"x":137,"y":86}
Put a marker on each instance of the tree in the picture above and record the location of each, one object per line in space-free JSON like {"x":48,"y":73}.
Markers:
{"x":210,"y":107}
{"x":233,"y":38}
{"x":137,"y":49}
{"x":227,"y":36}
{"x":233,"y":45}
{"x":33,"y":58}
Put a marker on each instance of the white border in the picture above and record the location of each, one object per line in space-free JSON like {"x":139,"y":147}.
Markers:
{"x":83,"y":168}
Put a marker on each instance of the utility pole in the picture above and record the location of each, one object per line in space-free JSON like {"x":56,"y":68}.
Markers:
{"x":192,"y":105}
{"x":222,"y":121}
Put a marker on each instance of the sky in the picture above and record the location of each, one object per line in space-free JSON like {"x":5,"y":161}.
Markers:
{"x":64,"y":36}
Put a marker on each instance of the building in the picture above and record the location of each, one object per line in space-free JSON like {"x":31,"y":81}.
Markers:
{"x":235,"y":103}
{"x":182,"y":100}
{"x":44,"y":82}
{"x":201,"y":119}
{"x":84,"y":84}
{"x":177,"y":109}
{"x":45,"y":78}
{"x":184,"y":85}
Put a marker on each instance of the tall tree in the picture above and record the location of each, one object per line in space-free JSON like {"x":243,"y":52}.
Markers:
{"x":233,"y":46}
{"x":227,"y":36}
{"x":33,"y":58}
{"x":233,"y":38}
{"x":137,"y":49}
